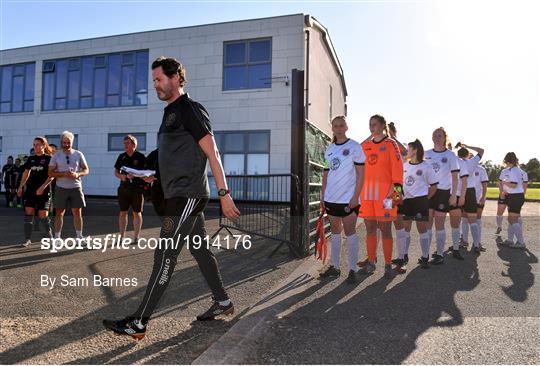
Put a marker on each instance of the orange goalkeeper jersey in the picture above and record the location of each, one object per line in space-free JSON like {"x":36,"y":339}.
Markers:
{"x":384,"y":167}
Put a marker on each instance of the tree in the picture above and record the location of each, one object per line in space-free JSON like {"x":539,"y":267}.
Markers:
{"x":493,"y":170}
{"x":533,"y":169}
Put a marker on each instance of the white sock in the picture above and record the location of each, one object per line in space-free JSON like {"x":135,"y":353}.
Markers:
{"x":499,"y":221}
{"x":225,"y":303}
{"x":430,"y":235}
{"x":401,"y":243}
{"x":465,"y":229}
{"x":441,"y":241}
{"x":455,"y":238}
{"x":407,"y":242}
{"x":479,"y":222}
{"x":353,"y":247}
{"x":475,"y":234}
{"x":510,"y":232}
{"x":58,"y":235}
{"x":519,"y":233}
{"x":336,"y":250}
{"x":424,"y":244}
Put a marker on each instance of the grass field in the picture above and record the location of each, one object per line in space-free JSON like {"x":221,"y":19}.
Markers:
{"x":532,"y":193}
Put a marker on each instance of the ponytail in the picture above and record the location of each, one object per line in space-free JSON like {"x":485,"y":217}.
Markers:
{"x":417,"y":145}
{"x":382,"y":121}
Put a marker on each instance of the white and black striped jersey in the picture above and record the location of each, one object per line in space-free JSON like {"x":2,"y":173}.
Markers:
{"x":471,"y":165}
{"x":339,"y":162}
{"x":417,"y":178}
{"x":480,"y":176}
{"x":512,"y":175}
{"x":443,"y":163}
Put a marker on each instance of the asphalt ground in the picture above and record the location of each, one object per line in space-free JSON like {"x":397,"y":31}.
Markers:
{"x":483,"y":310}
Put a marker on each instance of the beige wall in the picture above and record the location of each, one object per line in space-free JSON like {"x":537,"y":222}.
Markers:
{"x":322,"y":75}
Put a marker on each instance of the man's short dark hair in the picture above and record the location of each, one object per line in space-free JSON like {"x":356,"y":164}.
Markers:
{"x":171,"y":66}
{"x":10,"y":157}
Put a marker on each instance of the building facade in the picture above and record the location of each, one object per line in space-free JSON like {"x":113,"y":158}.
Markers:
{"x":101,"y":89}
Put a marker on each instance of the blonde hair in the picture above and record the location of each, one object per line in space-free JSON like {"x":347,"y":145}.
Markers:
{"x":131,"y":138}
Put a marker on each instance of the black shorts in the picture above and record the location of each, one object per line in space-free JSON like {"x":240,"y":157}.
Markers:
{"x":503,"y":200}
{"x":39,"y":203}
{"x":456,"y":207}
{"x":439,"y":201}
{"x":130,"y":197}
{"x":340,"y":209}
{"x":470,"y":205}
{"x":515,"y":202}
{"x":416,"y":208}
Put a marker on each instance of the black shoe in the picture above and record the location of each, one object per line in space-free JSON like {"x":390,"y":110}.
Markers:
{"x":398,"y":262}
{"x":424,"y":262}
{"x":437,"y":259}
{"x":482,"y":249}
{"x":330,"y":272}
{"x":364,"y":262}
{"x":477,"y":251}
{"x":352,"y":278}
{"x":128,"y":326}
{"x":405,"y":259}
{"x":216,"y":310}
{"x":498,"y":231}
{"x":456,"y":254}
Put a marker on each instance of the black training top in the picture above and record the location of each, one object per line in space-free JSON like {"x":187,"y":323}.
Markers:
{"x":136,"y":161}
{"x":182,"y":162}
{"x":9,"y":172}
{"x":38,"y":166}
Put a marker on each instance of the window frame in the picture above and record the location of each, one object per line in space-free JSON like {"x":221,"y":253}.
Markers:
{"x":246,"y":63}
{"x":138,"y":135}
{"x":25,"y":77}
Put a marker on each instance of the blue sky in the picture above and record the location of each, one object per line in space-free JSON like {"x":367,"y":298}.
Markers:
{"x":471,"y":66}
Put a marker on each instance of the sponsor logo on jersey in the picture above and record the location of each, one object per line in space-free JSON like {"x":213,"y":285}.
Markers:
{"x":330,"y":154}
{"x":373,"y":159}
{"x":170,"y":119}
{"x":335,"y":163}
{"x":436,"y":167}
{"x":346,"y":152}
{"x":419,"y":172}
{"x":409,"y":181}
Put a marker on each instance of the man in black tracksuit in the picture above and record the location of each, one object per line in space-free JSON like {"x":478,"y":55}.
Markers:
{"x":186,"y":145}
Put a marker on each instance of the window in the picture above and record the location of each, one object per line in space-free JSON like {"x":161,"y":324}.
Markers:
{"x":116,"y":141}
{"x":17,"y":88}
{"x":113,"y":80}
{"x":247,"y":64}
{"x":55,"y":140}
{"x":244,"y":153}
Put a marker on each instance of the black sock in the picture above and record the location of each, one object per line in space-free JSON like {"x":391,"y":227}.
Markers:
{"x":28,"y":223}
{"x":9,"y":198}
{"x":46,"y":225}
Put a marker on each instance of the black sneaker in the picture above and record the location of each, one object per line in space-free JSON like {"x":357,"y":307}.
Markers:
{"x":482,"y":249}
{"x":398,"y":262}
{"x":498,"y":231}
{"x":424,"y":262}
{"x":364,"y":262}
{"x":437,"y":259}
{"x":216,"y":310}
{"x":477,"y":250}
{"x":128,"y":326}
{"x":405,"y":259}
{"x":456,"y":254}
{"x":351,"y":278}
{"x":330,"y":272}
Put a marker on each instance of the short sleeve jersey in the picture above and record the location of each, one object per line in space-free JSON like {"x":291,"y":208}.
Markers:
{"x":136,"y":161}
{"x":472,"y":164}
{"x":340,"y":161}
{"x":182,"y":162}
{"x":417,"y":178}
{"x":444,"y":163}
{"x":512,"y":175}
{"x":480,"y":176}
{"x":73,"y":162}
{"x":39,"y":171}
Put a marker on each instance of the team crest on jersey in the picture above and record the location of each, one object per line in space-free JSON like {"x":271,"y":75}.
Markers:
{"x":409,"y":181}
{"x":170,"y":119}
{"x":419,"y":172}
{"x":373,"y":159}
{"x":382,"y":148}
{"x":335,"y":163}
{"x":346,"y":152}
{"x":436,"y":167}
{"x":444,"y":160}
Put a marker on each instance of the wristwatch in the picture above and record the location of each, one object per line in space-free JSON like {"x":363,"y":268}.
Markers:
{"x":223,"y":192}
